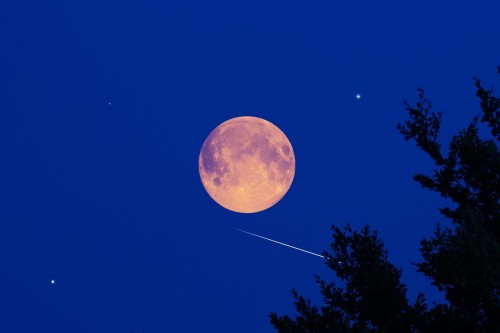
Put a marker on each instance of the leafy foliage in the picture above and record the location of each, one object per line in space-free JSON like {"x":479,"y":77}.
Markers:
{"x":462,"y":261}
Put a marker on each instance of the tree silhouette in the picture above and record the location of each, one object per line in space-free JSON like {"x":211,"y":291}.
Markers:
{"x":463,"y":260}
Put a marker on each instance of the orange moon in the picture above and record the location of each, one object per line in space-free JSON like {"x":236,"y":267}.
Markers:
{"x":246,"y":164}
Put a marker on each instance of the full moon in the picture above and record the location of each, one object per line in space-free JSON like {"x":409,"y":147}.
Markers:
{"x":246,"y":164}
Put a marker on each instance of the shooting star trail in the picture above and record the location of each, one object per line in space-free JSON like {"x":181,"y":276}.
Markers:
{"x":272,"y":240}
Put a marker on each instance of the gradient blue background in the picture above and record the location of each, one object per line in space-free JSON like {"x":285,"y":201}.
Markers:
{"x":106,"y":198}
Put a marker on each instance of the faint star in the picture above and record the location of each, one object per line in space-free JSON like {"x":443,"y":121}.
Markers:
{"x":109,"y":103}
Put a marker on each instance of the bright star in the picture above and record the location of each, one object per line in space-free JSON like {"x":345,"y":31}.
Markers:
{"x":52,"y":281}
{"x":358,"y":96}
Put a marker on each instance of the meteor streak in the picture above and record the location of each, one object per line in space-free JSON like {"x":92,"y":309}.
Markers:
{"x":272,"y":240}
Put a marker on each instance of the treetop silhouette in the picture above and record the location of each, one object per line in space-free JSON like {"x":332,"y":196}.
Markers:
{"x":462,"y":261}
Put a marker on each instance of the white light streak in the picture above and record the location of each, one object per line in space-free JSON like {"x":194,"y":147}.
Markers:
{"x":272,"y":240}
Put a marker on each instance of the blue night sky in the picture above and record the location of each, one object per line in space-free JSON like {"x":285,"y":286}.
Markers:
{"x":104,"y":107}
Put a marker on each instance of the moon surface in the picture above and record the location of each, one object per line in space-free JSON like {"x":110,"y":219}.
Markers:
{"x":247,"y":164}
